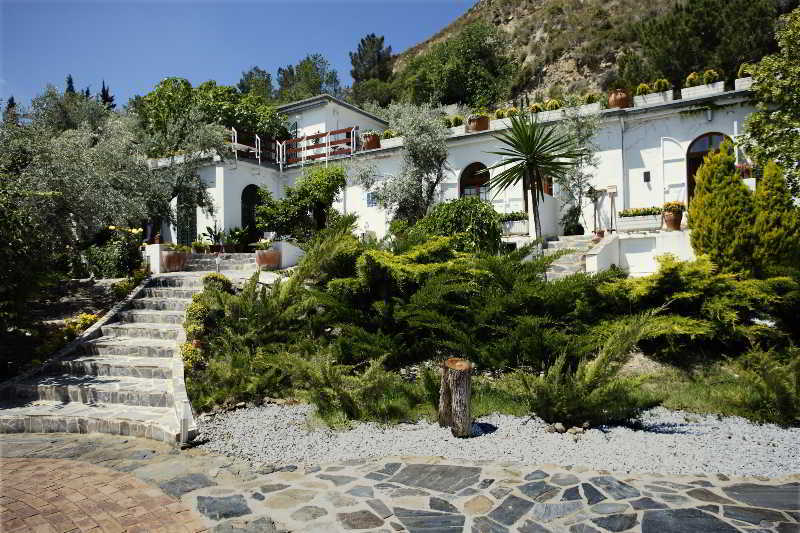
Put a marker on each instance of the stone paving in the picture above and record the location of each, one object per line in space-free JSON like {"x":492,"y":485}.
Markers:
{"x":414,"y":494}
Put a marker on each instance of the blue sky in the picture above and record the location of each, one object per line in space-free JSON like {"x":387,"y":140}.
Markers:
{"x":133,"y":45}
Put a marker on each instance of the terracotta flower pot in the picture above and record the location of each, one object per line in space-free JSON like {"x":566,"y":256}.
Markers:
{"x":673,"y":220}
{"x":476,"y":124}
{"x":619,"y":98}
{"x":270,"y":259}
{"x":371,"y":142}
{"x":173,"y":261}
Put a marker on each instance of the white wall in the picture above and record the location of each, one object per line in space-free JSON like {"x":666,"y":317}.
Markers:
{"x":638,"y":251}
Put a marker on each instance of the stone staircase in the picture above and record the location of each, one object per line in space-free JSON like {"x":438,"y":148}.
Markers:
{"x":208,"y":262}
{"x":571,"y":263}
{"x":127,"y":381}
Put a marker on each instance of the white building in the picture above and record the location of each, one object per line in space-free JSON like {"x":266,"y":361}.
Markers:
{"x":647,"y":155}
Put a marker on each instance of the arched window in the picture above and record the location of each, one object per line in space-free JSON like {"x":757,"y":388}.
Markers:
{"x":250,"y":200}
{"x":700,"y":147}
{"x":474,"y":182}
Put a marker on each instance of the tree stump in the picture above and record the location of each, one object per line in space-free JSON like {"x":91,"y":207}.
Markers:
{"x":454,"y":394}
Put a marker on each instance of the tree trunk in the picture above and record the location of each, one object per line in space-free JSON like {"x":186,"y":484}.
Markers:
{"x":454,"y":396}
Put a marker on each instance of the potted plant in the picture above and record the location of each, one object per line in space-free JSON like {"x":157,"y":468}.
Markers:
{"x":174,"y":258}
{"x":659,"y":92}
{"x":370,"y":140}
{"x":200,"y":247}
{"x":266,"y":254}
{"x":702,"y":84}
{"x":744,"y":78}
{"x":478,"y":120}
{"x":389,"y":134}
{"x":515,"y":223}
{"x":457,"y":120}
{"x":639,"y":219}
{"x":512,"y":111}
{"x":236,"y":240}
{"x":619,"y":98}
{"x":216,"y":237}
{"x":673,"y":214}
{"x":499,"y":113}
{"x":536,"y":107}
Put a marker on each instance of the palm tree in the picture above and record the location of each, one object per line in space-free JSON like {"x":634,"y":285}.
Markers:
{"x":533,"y":154}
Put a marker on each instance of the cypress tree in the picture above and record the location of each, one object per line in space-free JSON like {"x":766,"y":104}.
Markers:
{"x":777,"y":223}
{"x":721,"y":214}
{"x":10,"y":113}
{"x":106,"y":97}
{"x":70,"y":85}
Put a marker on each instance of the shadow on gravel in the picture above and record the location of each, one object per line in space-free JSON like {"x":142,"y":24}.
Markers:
{"x":480,"y":429}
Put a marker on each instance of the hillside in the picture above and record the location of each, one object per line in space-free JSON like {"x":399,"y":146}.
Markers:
{"x":572,"y":43}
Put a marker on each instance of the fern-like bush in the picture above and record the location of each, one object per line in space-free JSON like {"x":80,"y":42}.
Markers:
{"x":591,"y":390}
{"x":552,"y":104}
{"x":771,"y":383}
{"x":710,"y":76}
{"x":642,"y":89}
{"x":660,"y":85}
{"x":694,"y":79}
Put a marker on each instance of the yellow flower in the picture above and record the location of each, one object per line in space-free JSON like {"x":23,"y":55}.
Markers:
{"x":112,"y":227}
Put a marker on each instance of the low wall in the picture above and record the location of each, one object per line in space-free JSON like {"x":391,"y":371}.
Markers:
{"x":290,"y":254}
{"x":637,"y":252}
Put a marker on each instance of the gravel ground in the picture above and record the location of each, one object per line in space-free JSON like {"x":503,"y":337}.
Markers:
{"x":670,"y":442}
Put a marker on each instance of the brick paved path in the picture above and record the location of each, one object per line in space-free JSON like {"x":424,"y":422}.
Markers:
{"x":60,"y":495}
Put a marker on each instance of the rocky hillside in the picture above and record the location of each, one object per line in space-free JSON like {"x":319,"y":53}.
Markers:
{"x":567,"y":43}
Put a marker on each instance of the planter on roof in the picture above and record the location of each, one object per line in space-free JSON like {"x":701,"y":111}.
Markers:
{"x":741,"y":84}
{"x":619,"y":98}
{"x":639,"y":223}
{"x":371,"y":142}
{"x":476,"y":124}
{"x":653,"y":98}
{"x":703,"y":90}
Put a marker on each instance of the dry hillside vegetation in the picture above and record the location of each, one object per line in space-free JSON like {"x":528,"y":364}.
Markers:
{"x":568,"y":43}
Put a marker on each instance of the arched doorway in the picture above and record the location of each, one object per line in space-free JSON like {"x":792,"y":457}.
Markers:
{"x":474,"y":182}
{"x":250,"y":200}
{"x":700,"y":147}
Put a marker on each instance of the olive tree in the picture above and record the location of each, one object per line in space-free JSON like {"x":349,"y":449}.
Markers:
{"x":411,"y":193}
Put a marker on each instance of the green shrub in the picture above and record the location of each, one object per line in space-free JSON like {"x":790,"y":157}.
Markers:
{"x":500,"y":113}
{"x":216,"y":281}
{"x":710,"y":76}
{"x":341,"y":395}
{"x":773,"y":381}
{"x":118,"y":257}
{"x":457,"y":120}
{"x":777,"y":222}
{"x":642,"y":89}
{"x":121,"y":289}
{"x":661,"y":85}
{"x":552,"y":104}
{"x":592,"y":391}
{"x":388,"y":134}
{"x":640,"y":211}
{"x":192,"y":357}
{"x":592,"y":98}
{"x":512,"y":111}
{"x":721,"y":214}
{"x":475,"y":223}
{"x":745,"y":70}
{"x":694,"y":79}
{"x":448,"y":122}
{"x":511,"y":217}
{"x":536,"y":107}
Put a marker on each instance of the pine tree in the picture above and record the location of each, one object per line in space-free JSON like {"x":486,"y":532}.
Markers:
{"x":256,"y":81}
{"x":721,"y":214}
{"x":70,"y":85}
{"x":106,"y":97}
{"x":371,"y":60}
{"x":777,"y":222}
{"x":87,"y":93}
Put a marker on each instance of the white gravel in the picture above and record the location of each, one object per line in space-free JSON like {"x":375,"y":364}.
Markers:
{"x":671,"y":442}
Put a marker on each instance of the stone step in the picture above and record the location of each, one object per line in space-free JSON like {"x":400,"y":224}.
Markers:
{"x":143,"y":329}
{"x":189,"y":282}
{"x":170,"y":292}
{"x":203,"y":267}
{"x":245,"y":255}
{"x":151,"y":316}
{"x":97,"y":389}
{"x":157,"y":423}
{"x":161,"y":304}
{"x":118,"y":365}
{"x":130,"y":347}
